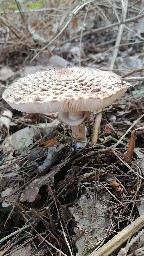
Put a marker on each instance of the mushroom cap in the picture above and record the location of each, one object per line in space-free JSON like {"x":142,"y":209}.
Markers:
{"x":66,"y":89}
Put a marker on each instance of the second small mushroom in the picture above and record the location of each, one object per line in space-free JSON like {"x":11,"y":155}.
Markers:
{"x":73,"y":92}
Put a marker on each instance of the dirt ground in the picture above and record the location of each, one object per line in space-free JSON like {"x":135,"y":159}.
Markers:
{"x":56,"y":199}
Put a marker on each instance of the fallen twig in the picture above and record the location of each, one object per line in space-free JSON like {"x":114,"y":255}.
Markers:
{"x":128,"y":130}
{"x":132,"y":141}
{"x":123,"y":251}
{"x":131,"y":147}
{"x":14,"y":233}
{"x":3,"y":252}
{"x":120,"y":238}
{"x":134,"y":78}
{"x":11,"y":27}
{"x":132,"y":72}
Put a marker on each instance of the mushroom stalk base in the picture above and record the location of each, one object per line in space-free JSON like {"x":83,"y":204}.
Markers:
{"x":79,"y":132}
{"x":76,"y":121}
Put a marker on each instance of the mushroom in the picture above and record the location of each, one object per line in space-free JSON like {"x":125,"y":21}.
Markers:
{"x":73,"y":92}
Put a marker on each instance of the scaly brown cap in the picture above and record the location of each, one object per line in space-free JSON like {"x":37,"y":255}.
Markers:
{"x":67,"y":89}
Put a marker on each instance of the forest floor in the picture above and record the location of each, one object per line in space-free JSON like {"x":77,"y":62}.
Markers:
{"x":56,"y":200}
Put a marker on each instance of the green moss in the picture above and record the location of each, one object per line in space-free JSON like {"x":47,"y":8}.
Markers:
{"x":38,"y":4}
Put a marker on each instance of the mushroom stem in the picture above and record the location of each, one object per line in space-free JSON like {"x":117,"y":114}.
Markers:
{"x":76,"y":121}
{"x":76,"y":115}
{"x":96,"y":128}
{"x":72,"y":118}
{"x":79,"y":132}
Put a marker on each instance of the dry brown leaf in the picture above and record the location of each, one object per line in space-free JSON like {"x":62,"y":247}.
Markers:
{"x":115,"y":184}
{"x":31,"y":192}
{"x":49,"y":143}
{"x":23,"y":138}
{"x":23,"y":251}
{"x":74,"y":23}
{"x":10,"y":195}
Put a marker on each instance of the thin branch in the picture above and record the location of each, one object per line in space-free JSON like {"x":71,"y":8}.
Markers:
{"x":62,"y":227}
{"x":134,"y":78}
{"x":108,"y":248}
{"x":123,"y":251}
{"x":71,"y":16}
{"x":131,"y":147}
{"x":34,"y":10}
{"x":132,"y":141}
{"x":81,"y":37}
{"x":93,"y":31}
{"x":11,"y":27}
{"x":128,"y":130}
{"x":14,"y":233}
{"x":120,"y":32}
{"x":133,"y":71}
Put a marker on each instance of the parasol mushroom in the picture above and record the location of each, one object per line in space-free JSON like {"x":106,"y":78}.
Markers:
{"x":73,"y":92}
